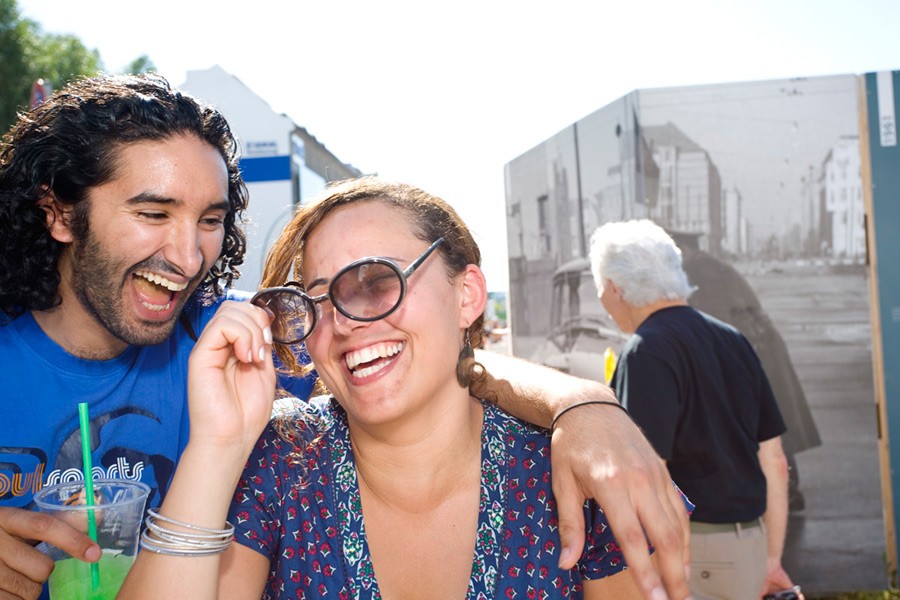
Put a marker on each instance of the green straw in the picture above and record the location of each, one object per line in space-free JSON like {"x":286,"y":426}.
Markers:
{"x":85,"y":425}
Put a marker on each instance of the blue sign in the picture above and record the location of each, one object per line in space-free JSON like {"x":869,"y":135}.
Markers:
{"x":267,"y":168}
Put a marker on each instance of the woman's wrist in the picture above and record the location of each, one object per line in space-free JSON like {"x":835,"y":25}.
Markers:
{"x":211,"y":469}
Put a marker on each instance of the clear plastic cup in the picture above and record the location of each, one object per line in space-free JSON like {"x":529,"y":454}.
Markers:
{"x":118,"y":512}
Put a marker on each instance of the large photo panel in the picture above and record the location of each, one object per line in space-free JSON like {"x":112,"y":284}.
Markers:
{"x":759,"y":183}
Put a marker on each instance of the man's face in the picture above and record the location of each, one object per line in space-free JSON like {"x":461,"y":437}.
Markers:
{"x":153,"y":232}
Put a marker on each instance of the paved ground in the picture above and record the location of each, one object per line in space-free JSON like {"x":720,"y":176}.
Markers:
{"x":837,"y":543}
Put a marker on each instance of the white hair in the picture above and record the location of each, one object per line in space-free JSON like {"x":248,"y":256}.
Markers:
{"x":641,"y":259}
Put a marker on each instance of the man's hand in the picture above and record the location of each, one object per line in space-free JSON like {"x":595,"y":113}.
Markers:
{"x":23,"y":569}
{"x":777,"y":578}
{"x":598,"y":452}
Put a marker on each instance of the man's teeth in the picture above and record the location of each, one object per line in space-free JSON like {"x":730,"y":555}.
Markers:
{"x":157,"y":307}
{"x":162,"y":281}
{"x":369,"y":354}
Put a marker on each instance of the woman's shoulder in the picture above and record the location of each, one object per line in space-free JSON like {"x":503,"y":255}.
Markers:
{"x":497,"y":417}
{"x":515,"y":436}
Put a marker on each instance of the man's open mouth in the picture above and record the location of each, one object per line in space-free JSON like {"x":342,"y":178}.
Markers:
{"x":155,"y":291}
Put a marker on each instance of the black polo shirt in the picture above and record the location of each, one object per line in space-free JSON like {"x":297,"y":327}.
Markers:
{"x":697,"y":389}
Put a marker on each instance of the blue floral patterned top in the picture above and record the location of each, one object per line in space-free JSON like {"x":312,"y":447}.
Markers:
{"x":306,"y":515}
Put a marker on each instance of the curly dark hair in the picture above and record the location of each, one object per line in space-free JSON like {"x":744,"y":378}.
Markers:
{"x":68,"y":145}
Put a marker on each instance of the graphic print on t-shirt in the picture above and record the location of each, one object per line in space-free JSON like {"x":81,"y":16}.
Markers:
{"x":23,"y":471}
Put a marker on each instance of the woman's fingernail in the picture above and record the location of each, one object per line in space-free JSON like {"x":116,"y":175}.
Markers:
{"x":267,"y":335}
{"x":250,"y":355}
{"x":262,"y":353}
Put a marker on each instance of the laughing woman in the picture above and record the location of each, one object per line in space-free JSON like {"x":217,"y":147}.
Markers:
{"x":397,"y":483}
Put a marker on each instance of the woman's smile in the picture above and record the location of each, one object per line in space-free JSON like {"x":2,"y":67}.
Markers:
{"x":367,"y":361}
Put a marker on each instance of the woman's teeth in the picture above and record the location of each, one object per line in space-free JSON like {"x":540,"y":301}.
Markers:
{"x":358,"y":357}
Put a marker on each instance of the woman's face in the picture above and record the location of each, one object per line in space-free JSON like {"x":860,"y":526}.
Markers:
{"x":382,"y":370}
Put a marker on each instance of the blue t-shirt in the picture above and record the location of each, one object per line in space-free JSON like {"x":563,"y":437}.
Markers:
{"x":314,"y":534}
{"x":137,"y":403}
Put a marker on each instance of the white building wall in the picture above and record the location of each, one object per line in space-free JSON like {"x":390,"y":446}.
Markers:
{"x":843,"y":188}
{"x":731,"y":221}
{"x":262,"y":134}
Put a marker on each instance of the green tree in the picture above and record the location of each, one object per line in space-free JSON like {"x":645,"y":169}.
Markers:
{"x":58,"y":59}
{"x":27,"y":54}
{"x":15,"y":80}
{"x":142,"y":64}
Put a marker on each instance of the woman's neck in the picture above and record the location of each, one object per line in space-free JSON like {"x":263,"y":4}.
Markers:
{"x":415,"y":465}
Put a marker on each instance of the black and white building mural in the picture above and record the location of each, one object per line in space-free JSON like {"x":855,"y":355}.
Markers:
{"x":760,"y":185}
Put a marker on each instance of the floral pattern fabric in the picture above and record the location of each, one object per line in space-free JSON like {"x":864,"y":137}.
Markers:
{"x":306,"y":515}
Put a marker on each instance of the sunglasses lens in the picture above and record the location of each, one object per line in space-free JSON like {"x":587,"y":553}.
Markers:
{"x":293,"y":314}
{"x":368,"y":291}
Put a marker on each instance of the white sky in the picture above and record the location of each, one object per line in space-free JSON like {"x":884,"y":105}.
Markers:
{"x":442,"y":95}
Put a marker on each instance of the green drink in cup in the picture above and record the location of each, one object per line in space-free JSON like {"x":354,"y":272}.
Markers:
{"x":118,"y":510}
{"x":71,"y":578}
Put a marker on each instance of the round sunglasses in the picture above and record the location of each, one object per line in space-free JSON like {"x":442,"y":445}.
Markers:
{"x":367,"y":289}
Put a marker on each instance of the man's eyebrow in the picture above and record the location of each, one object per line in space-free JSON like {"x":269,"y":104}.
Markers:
{"x":150,"y":198}
{"x":222,"y":205}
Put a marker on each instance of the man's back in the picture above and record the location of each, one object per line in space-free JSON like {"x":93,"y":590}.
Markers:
{"x":697,"y":389}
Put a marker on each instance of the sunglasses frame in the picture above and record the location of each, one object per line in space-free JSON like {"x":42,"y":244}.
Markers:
{"x":295,"y":288}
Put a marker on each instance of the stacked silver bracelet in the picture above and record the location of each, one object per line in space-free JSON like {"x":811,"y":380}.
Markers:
{"x":196,"y":541}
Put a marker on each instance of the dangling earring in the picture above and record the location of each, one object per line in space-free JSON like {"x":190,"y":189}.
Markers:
{"x":464,"y":363}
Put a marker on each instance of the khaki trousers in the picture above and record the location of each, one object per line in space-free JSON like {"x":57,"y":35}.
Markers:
{"x":728,"y":562}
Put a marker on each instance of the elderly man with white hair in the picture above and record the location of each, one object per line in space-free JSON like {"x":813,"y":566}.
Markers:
{"x":698,"y":390}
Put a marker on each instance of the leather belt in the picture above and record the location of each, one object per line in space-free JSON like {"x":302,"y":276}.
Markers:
{"x":699,"y":527}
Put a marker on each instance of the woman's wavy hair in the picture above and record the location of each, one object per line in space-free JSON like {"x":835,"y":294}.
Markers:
{"x":68,"y":145}
{"x":429,"y":217}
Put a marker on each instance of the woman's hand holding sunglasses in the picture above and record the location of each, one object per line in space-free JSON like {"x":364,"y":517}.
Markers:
{"x":231,"y":378}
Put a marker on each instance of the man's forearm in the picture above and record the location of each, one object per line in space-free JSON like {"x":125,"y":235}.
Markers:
{"x":775,"y":467}
{"x":533,"y":392}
